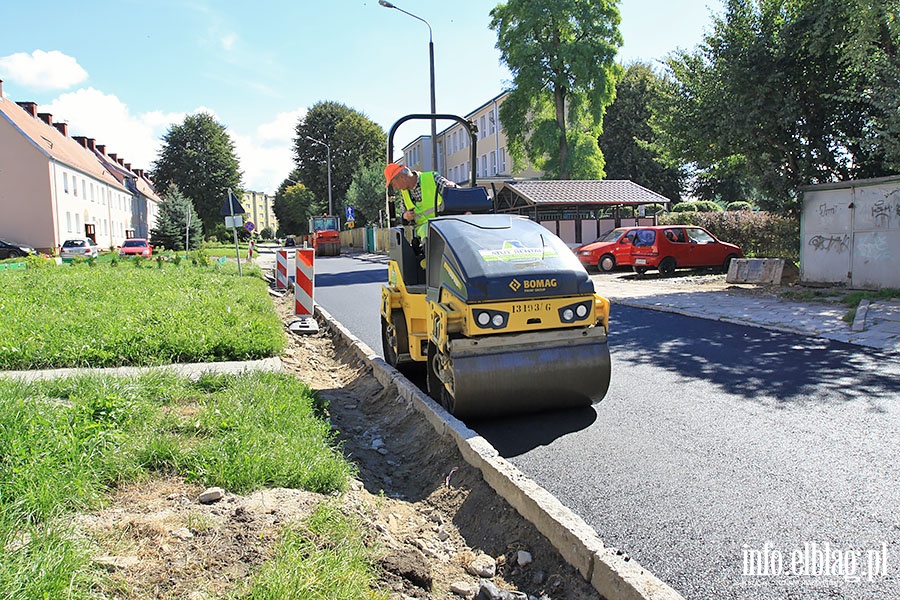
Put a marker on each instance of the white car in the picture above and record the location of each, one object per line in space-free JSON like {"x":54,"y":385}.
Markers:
{"x":75,"y":247}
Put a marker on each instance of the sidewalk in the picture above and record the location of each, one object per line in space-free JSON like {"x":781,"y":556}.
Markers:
{"x":877,"y":324}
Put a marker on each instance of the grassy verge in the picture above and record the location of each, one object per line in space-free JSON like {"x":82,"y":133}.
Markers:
{"x":137,"y":312}
{"x":331,"y":546}
{"x":65,"y":443}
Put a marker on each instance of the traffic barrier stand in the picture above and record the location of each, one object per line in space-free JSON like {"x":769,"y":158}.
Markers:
{"x":281,"y":269}
{"x":303,"y":293}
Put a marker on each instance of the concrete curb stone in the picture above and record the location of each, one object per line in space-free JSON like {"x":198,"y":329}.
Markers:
{"x":611,"y":574}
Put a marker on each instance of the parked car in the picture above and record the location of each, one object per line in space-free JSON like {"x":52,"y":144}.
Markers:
{"x":610,"y":250}
{"x":665,"y":247}
{"x":78,"y":247}
{"x":136,"y":247}
{"x":14,"y":250}
{"x":680,"y":246}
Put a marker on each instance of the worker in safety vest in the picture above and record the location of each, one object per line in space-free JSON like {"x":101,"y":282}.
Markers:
{"x":421,"y":193}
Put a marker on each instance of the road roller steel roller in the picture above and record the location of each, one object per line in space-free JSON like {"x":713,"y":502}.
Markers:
{"x":503,"y":316}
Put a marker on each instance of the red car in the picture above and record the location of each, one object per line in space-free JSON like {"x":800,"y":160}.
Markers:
{"x":608,"y":251}
{"x":136,"y":247}
{"x":666,"y":248}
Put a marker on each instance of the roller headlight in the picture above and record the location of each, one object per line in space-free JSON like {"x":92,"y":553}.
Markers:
{"x":575,"y":312}
{"x":490,"y":319}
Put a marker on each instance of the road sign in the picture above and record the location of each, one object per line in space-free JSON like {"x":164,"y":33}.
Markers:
{"x":233,"y":222}
{"x":249,"y":226}
{"x":234,"y":208}
{"x":350,"y":214}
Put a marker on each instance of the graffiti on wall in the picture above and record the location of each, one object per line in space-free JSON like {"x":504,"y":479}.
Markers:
{"x":881,"y":214}
{"x":827,"y":211}
{"x":833,"y":243}
{"x":874,"y":249}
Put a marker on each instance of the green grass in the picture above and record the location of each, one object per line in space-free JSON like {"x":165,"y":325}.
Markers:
{"x":134,"y":312}
{"x":849,"y":299}
{"x":64,"y":444}
{"x":326,"y":559}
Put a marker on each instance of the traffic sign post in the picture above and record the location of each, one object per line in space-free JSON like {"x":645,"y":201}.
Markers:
{"x":231,"y":208}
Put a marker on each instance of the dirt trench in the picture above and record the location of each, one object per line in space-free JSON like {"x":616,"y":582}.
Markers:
{"x":428,"y":515}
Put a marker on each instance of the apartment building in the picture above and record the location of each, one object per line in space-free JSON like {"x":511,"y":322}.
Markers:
{"x":454,"y":149}
{"x":54,"y":186}
{"x":259,"y":207}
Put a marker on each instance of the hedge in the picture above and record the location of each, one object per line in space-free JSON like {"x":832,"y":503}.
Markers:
{"x":759,"y":234}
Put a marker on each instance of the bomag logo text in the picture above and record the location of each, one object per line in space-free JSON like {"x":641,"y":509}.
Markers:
{"x":531,"y":284}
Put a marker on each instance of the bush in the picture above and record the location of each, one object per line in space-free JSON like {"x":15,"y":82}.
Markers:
{"x":739,"y":205}
{"x":760,"y":235}
{"x":698,"y":206}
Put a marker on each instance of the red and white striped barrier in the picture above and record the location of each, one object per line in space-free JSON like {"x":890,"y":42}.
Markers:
{"x":281,"y":269}
{"x":303,"y":283}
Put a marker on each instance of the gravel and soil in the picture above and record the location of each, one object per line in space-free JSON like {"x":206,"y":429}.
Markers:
{"x":431,"y":519}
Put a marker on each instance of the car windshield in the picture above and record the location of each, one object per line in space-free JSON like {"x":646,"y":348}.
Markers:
{"x":611,"y":236}
{"x":134,"y":243}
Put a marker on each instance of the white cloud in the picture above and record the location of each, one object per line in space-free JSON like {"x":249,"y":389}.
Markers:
{"x":266,"y":155}
{"x":42,"y":70}
{"x":94,"y":114}
{"x":228,"y":41}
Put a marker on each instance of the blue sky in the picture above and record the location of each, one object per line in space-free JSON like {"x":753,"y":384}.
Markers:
{"x":123,"y":71}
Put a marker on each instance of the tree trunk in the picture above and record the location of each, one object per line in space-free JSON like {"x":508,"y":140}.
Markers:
{"x":559,"y":98}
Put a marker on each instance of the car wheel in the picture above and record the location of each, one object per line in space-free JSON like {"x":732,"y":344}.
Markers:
{"x":667,"y":267}
{"x":15,"y":254}
{"x":640,"y":270}
{"x":606,"y":263}
{"x":727,"y":263}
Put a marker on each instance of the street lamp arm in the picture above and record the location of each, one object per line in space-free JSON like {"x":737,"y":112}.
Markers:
{"x":389,"y":5}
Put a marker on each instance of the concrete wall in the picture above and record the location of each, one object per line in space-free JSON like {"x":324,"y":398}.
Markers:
{"x":849,"y":234}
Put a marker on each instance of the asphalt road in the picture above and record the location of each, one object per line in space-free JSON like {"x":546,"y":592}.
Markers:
{"x":730,"y":461}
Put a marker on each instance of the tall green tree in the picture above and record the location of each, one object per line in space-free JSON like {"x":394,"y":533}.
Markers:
{"x":177,"y":222}
{"x":562,"y":58}
{"x":198,"y":156}
{"x":874,"y":49}
{"x":771,"y":101}
{"x":366,"y":194}
{"x":356,"y":142}
{"x":629,"y":141}
{"x":293,"y":205}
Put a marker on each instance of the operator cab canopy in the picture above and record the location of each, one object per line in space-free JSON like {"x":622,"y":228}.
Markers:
{"x":499,"y":257}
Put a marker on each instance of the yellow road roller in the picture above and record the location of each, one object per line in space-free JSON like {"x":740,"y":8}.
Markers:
{"x":503,"y":315}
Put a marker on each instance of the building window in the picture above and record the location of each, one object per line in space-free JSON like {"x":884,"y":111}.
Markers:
{"x":66,"y":182}
{"x":484,"y":170}
{"x":492,"y":118}
{"x":84,"y":189}
{"x":493,"y":163}
{"x":68,"y":221}
{"x":74,"y":186}
{"x":481,"y":130}
{"x":77,"y":223}
{"x":503,"y":160}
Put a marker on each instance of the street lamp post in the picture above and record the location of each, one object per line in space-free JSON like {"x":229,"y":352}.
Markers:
{"x":328,"y":166}
{"x":386,"y":4}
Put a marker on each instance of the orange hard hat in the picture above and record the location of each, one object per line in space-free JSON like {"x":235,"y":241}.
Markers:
{"x":391,"y":171}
